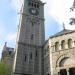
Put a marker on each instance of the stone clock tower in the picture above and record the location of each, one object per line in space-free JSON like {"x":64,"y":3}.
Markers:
{"x":30,"y":38}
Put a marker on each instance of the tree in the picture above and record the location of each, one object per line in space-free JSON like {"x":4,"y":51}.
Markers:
{"x":73,"y":6}
{"x":4,"y":69}
{"x":72,"y":21}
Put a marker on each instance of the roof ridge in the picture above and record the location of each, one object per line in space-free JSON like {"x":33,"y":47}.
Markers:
{"x":64,"y":31}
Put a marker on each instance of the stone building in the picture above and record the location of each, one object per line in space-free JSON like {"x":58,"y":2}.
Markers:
{"x":7,"y":55}
{"x":35,"y":56}
{"x":59,"y":53}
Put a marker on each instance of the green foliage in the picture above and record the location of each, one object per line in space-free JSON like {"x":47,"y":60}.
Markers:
{"x":4,"y":69}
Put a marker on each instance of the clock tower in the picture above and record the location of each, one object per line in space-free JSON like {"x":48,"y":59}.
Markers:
{"x":28,"y":59}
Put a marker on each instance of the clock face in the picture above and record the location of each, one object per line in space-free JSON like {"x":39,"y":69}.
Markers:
{"x":33,"y":11}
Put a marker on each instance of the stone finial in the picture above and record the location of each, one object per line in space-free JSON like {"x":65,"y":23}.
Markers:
{"x":63,"y":26}
{"x":5,"y":45}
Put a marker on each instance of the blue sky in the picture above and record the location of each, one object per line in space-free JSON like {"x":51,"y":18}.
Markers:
{"x":54,"y":17}
{"x":7,"y":23}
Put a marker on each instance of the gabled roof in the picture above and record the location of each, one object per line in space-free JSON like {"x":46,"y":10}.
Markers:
{"x":65,"y":31}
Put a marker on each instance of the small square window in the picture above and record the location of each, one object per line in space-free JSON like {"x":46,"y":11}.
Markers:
{"x":32,"y":36}
{"x":36,"y":53}
{"x":25,"y":58}
{"x":30,"y":55}
{"x":37,"y":5}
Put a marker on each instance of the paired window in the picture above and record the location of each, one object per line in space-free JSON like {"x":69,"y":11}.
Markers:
{"x":63,"y":44}
{"x":30,"y":56}
{"x":36,"y":5}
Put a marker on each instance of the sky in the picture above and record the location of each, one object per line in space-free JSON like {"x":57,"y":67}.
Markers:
{"x":56,"y":12}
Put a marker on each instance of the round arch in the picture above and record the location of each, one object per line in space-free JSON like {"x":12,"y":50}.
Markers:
{"x":70,"y":43}
{"x":60,"y":59}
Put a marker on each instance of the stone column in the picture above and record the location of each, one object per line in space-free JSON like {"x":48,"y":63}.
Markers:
{"x":67,"y":71}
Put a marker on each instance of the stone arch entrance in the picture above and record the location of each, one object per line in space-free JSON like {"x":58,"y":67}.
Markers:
{"x":67,"y":66}
{"x":63,"y":72}
{"x":70,"y":71}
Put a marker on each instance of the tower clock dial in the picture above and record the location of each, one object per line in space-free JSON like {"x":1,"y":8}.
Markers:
{"x":33,"y":11}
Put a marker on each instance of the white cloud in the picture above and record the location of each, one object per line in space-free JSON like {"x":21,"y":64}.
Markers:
{"x":2,"y":29}
{"x":58,"y":9}
{"x":11,"y":37}
{"x":16,"y":5}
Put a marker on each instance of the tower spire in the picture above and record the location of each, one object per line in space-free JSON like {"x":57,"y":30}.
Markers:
{"x":63,"y":26}
{"x":5,"y":45}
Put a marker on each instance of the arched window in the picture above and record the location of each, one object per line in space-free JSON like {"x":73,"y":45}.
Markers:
{"x":63,"y":62}
{"x":56,"y":46}
{"x":69,"y":43}
{"x":35,"y":5}
{"x":63,"y":44}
